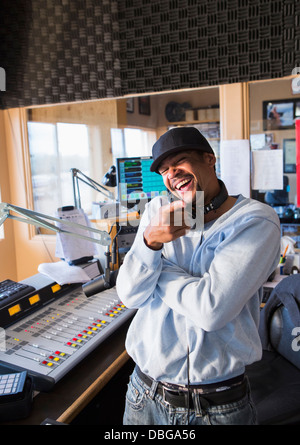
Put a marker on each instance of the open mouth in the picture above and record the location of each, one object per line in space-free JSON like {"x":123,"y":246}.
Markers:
{"x":183,"y":185}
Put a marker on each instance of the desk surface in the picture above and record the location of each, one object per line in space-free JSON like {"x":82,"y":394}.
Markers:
{"x":276,"y":280}
{"x":71,"y":394}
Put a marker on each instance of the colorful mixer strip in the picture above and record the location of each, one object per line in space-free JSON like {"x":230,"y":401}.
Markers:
{"x":51,"y":341}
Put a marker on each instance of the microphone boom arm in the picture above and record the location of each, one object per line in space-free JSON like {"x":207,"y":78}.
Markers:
{"x":40,"y":220}
{"x":78,"y":175}
{"x":90,"y":288}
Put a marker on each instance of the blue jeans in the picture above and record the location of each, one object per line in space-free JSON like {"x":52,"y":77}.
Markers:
{"x":145,"y":407}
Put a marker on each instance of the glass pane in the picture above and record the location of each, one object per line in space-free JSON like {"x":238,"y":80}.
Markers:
{"x":273,"y":112}
{"x":117,"y":143}
{"x":54,"y":150}
{"x":138,"y":142}
{"x":43,"y":159}
{"x":132,"y":142}
{"x":73,"y":150}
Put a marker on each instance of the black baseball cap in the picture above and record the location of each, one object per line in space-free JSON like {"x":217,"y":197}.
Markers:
{"x":175,"y":140}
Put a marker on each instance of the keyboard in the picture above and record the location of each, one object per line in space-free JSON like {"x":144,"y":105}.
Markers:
{"x":11,"y":385}
{"x":12,"y":290}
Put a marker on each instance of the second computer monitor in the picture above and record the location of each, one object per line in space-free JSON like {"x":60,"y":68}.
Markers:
{"x":136,"y":183}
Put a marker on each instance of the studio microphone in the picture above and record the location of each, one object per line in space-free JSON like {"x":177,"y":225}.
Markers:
{"x":108,"y":279}
{"x":104,"y":282}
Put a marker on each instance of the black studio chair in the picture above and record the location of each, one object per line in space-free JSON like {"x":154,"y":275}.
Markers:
{"x":275,"y":379}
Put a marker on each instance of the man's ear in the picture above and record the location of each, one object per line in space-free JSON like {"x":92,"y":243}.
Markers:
{"x":209,"y":158}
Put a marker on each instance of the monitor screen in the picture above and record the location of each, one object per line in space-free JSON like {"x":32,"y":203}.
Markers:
{"x":136,"y":182}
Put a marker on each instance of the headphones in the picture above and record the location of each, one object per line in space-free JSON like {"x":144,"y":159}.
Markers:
{"x":214,"y":204}
{"x":218,"y":200}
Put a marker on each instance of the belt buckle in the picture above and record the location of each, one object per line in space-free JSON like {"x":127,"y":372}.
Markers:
{"x":164,"y":394}
{"x":176,"y":393}
{"x":170,"y":391}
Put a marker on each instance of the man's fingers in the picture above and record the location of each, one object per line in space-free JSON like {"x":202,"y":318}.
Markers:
{"x":167,"y":225}
{"x":181,"y":231}
{"x":176,"y":205}
{"x":177,"y":214}
{"x":172,"y":216}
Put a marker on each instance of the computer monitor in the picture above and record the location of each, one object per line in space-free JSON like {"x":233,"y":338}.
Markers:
{"x":136,"y":183}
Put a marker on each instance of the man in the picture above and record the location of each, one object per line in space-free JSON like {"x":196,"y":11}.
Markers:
{"x":197,"y":290}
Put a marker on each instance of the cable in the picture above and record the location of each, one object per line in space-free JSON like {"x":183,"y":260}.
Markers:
{"x":188,"y":385}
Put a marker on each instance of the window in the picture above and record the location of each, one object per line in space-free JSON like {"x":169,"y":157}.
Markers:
{"x":132,"y":142}
{"x":273,"y":112}
{"x":54,"y":150}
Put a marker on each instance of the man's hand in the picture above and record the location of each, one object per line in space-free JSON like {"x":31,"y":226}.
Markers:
{"x":168,"y":225}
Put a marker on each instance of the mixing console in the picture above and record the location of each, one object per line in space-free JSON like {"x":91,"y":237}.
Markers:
{"x":51,"y":341}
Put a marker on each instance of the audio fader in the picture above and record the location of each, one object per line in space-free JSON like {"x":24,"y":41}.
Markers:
{"x":51,"y":341}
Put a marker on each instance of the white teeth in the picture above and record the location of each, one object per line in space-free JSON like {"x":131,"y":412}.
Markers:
{"x":181,"y":183}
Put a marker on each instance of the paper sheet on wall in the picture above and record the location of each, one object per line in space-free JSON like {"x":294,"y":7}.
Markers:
{"x":235,"y":166}
{"x":69,"y":247}
{"x":267,"y":169}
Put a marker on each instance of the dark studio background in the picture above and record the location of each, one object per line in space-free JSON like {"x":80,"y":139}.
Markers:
{"x":57,"y":51}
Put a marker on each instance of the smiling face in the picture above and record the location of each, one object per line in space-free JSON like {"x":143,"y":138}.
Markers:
{"x":190,"y":171}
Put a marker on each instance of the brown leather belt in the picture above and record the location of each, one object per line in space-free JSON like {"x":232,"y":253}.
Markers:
{"x":184,"y":396}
